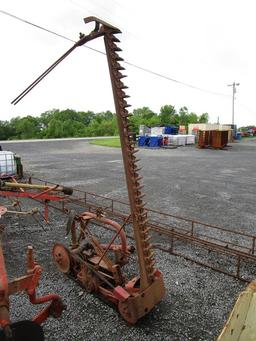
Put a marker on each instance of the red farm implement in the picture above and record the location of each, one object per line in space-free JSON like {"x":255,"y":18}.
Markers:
{"x":28,"y":330}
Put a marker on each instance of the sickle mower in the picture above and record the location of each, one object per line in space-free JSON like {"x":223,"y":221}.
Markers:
{"x":87,"y":260}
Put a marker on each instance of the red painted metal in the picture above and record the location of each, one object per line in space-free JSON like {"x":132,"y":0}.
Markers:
{"x":120,"y":294}
{"x":27,"y":283}
{"x":41,"y":196}
{"x":4,"y":297}
{"x":117,"y":227}
{"x":38,"y":192}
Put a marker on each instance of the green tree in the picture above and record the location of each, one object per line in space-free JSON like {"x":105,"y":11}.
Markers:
{"x":204,"y":118}
{"x":26,"y":127}
{"x":7,"y":131}
{"x":168,"y":115}
{"x":57,"y":123}
{"x":183,"y":116}
{"x":54,"y":129}
{"x":86,"y":117}
{"x":192,"y":118}
{"x":143,"y":116}
{"x":100,"y":126}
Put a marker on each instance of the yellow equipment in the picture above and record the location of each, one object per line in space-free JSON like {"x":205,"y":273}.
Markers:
{"x":241,"y":324}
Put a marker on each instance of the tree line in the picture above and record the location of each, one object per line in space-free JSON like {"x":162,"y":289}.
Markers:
{"x":70,"y":123}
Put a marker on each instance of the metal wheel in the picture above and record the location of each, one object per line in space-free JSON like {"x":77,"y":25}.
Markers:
{"x":23,"y":331}
{"x":61,"y":257}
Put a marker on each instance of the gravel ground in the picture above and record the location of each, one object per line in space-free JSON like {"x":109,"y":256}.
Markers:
{"x":213,"y":186}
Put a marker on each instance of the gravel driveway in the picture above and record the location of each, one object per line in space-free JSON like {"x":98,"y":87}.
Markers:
{"x":214,"y":186}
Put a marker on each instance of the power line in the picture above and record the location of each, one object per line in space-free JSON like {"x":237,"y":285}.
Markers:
{"x":47,"y":30}
{"x":175,"y":80}
{"x":126,"y":62}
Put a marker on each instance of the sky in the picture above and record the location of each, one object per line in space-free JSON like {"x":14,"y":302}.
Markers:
{"x":203,"y":44}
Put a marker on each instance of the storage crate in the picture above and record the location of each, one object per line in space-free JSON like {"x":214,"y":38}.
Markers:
{"x":144,"y":130}
{"x":190,"y":139}
{"x":155,"y":131}
{"x":178,"y":140}
{"x":7,"y":164}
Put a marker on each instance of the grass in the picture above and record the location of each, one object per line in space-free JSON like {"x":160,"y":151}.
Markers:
{"x":112,"y":142}
{"x":249,"y":137}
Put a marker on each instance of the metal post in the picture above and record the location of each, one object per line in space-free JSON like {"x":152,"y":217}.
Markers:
{"x":46,"y":211}
{"x":233,"y":100}
{"x":192,"y":228}
{"x":171,"y":247}
{"x":238,"y":267}
{"x":253,"y":245}
{"x":85,"y":198}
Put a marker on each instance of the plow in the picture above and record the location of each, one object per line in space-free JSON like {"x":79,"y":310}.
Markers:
{"x":98,"y":266}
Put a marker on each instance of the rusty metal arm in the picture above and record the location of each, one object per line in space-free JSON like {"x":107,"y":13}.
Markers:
{"x":97,"y":32}
{"x":55,"y":188}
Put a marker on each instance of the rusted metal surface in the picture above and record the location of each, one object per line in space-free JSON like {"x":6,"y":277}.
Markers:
{"x":178,"y":232}
{"x":89,"y":262}
{"x":139,"y":295}
{"x":133,"y":179}
{"x":7,"y":185}
{"x":204,"y":140}
{"x":217,"y":139}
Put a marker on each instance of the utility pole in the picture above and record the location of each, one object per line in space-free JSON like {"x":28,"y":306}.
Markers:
{"x":234,"y":85}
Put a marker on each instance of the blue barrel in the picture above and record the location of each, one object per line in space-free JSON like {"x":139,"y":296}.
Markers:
{"x":156,"y":141}
{"x":171,"y":130}
{"x":238,"y":136}
{"x":143,"y":141}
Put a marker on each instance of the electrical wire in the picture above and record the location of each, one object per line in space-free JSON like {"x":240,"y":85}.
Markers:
{"x":47,"y":30}
{"x":126,"y":62}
